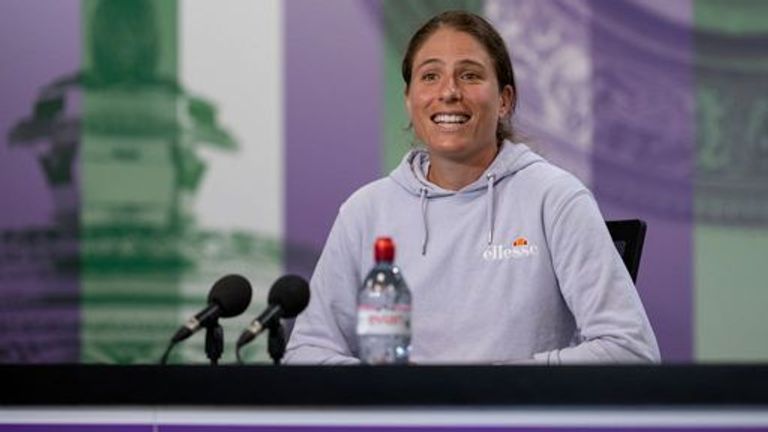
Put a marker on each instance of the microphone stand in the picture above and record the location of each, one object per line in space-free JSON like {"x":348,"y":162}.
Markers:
{"x":214,"y":342}
{"x":276,"y":342}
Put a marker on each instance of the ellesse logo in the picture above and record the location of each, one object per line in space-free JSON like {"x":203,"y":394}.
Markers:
{"x":520,"y":248}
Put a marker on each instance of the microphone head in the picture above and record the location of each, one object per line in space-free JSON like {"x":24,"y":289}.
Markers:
{"x":291,"y":293}
{"x":232,"y":293}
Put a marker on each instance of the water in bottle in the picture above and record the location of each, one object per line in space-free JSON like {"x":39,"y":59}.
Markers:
{"x":384,"y":310}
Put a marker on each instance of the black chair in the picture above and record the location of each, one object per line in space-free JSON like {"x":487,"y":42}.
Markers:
{"x":628,"y":236}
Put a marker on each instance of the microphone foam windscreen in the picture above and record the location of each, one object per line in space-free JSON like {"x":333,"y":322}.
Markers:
{"x":291,"y":293}
{"x":232,"y":293}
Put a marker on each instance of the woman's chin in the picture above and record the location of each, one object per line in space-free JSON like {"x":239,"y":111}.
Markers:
{"x":456,"y":149}
{"x":449,"y":145}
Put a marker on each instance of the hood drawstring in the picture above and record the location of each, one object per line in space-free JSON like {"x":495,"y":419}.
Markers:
{"x":491,"y":179}
{"x":423,"y":194}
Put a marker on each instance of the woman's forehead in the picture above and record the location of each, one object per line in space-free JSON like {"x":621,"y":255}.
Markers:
{"x":447,"y":44}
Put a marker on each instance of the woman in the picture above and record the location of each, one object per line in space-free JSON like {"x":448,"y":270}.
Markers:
{"x":507,"y":256}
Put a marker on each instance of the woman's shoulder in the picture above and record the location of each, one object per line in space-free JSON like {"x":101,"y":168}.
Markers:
{"x":548,"y":178}
{"x":530,"y":170}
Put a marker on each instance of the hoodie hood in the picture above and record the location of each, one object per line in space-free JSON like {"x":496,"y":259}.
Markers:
{"x":411,"y":175}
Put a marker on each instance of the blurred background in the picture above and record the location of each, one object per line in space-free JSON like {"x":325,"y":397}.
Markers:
{"x":149,"y":147}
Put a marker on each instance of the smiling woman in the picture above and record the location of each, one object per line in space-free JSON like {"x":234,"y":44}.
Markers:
{"x":507,"y":256}
{"x":456,"y":103}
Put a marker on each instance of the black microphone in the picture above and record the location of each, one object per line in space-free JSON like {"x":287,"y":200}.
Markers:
{"x":288,"y":296}
{"x":229,"y":297}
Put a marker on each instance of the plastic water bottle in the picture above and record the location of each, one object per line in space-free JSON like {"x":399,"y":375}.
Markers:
{"x":384,"y":310}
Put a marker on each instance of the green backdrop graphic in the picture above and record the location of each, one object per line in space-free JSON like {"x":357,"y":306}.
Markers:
{"x":731,"y":196}
{"x":131,"y":212}
{"x":146,"y":265}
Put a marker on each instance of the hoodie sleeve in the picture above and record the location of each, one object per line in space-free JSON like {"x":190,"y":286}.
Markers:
{"x":325,"y":332}
{"x":612,"y":324}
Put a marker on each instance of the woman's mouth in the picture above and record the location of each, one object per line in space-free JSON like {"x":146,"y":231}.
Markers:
{"x":450,"y":122}
{"x":442,"y":118}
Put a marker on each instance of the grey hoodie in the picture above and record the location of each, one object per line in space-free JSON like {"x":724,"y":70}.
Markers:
{"x":517,"y":267}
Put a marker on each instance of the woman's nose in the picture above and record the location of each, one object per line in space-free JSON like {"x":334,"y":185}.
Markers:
{"x":450,"y":92}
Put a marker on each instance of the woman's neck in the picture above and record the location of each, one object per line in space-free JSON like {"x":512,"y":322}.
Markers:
{"x":454,"y":175}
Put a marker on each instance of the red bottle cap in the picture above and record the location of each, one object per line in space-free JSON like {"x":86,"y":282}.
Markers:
{"x":384,"y":249}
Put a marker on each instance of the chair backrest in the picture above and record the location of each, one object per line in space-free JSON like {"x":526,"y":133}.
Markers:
{"x":628,"y":236}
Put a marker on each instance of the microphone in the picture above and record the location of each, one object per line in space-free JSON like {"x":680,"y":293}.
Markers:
{"x":229,"y":297}
{"x":288,"y":296}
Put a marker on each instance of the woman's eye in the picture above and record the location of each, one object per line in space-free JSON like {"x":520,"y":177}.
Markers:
{"x":429,"y":76}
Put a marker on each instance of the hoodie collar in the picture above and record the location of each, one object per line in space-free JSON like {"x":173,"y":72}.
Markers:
{"x":411,"y":174}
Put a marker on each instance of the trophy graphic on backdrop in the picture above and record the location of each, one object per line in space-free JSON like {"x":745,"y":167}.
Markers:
{"x":119,"y":146}
{"x":135,"y":131}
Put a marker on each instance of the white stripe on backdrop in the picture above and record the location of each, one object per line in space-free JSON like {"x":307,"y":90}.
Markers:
{"x":231,"y":54}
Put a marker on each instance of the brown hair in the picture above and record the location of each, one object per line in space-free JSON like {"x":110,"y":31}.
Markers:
{"x":484,"y":32}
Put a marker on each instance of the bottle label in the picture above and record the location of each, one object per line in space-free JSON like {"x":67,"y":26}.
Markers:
{"x":371,"y":321}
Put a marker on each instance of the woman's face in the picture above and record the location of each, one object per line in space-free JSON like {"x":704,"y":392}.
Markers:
{"x":454,"y":100}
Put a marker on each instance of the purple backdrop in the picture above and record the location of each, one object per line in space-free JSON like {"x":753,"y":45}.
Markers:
{"x":40,"y":41}
{"x":332,"y":86}
{"x":642,"y":159}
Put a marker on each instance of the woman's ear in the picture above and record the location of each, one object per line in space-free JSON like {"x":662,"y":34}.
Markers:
{"x":507,"y":97}
{"x":407,"y":102}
